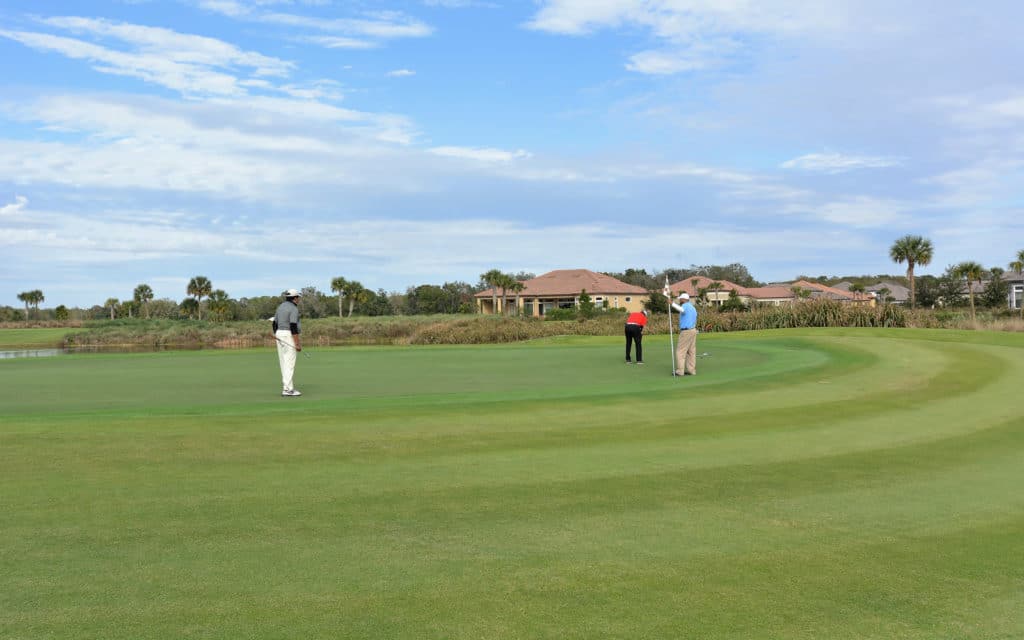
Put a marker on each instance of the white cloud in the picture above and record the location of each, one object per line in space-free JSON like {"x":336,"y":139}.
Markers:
{"x":401,"y":73}
{"x":480,"y":154}
{"x":188,"y":64}
{"x":858,"y":211}
{"x":838,"y":163}
{"x":1009,"y":108}
{"x":697,"y":34}
{"x":13,"y":208}
{"x":237,"y":148}
{"x":341,"y":42}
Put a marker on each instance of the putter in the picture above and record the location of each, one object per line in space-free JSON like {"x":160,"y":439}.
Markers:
{"x":280,"y":341}
{"x":305,"y":353}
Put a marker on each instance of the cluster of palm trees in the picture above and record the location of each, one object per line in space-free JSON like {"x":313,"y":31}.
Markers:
{"x":504,"y":282}
{"x":200,"y":287}
{"x":916,"y":250}
{"x":351,"y":289}
{"x":33,"y":298}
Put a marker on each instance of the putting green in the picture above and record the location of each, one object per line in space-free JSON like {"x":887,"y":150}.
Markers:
{"x":805,"y":484}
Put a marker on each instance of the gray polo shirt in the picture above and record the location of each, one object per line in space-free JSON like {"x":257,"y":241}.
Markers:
{"x":287,"y":317}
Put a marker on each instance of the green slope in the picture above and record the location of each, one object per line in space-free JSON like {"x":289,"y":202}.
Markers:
{"x":806,"y":484}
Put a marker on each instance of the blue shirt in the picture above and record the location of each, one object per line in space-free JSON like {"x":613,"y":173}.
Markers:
{"x":687,"y":315}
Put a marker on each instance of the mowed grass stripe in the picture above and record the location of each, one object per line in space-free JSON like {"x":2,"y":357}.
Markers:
{"x":682,"y":432}
{"x":894,"y":522}
{"x":369,"y":378}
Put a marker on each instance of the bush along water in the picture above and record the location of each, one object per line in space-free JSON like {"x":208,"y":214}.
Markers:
{"x":484,"y":329}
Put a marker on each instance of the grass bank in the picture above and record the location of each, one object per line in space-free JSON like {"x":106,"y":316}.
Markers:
{"x":478,"y":329}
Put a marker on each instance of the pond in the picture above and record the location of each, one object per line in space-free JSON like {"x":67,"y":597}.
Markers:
{"x":46,"y":353}
{"x":29,"y":353}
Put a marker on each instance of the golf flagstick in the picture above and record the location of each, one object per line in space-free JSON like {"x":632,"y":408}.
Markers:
{"x":671,"y":342}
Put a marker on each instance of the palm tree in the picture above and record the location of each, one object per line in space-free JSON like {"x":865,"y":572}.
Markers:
{"x":338,"y":285}
{"x":505,"y":283}
{"x":199,"y":287}
{"x":517,"y":287}
{"x":37,"y":297}
{"x":220,"y":303}
{"x":33,"y":298}
{"x":189,"y":307}
{"x":142,"y":295}
{"x":971,"y":272}
{"x":353,"y":290}
{"x":914,"y":250}
{"x":363,"y":296}
{"x":491,"y":279}
{"x":26,"y":297}
{"x":111,"y":304}
{"x":1017,"y":266}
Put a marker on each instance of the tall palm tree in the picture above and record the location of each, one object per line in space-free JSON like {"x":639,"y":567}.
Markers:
{"x":1017,"y":266}
{"x":491,"y":279}
{"x":111,"y":304}
{"x":25,"y":296}
{"x":338,"y":285}
{"x":914,"y":250}
{"x":199,"y":287}
{"x":505,"y":283}
{"x":517,"y":288}
{"x":353,"y":290}
{"x":971,"y":272}
{"x":142,"y":295}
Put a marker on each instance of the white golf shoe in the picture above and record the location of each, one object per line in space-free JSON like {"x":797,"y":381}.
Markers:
{"x":291,"y":392}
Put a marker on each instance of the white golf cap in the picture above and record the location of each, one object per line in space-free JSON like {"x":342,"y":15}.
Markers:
{"x":684,"y":296}
{"x":292,"y":293}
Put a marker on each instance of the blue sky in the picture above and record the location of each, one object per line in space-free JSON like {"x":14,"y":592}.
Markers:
{"x":269,"y":144}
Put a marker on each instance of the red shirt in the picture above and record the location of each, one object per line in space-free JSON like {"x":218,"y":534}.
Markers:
{"x":637,"y":318}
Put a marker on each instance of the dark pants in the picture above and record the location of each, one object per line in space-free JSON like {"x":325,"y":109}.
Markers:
{"x":635,"y":333}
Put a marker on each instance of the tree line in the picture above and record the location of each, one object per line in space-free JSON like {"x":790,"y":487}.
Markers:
{"x":964,"y":284}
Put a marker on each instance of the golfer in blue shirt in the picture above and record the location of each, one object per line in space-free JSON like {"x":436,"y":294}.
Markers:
{"x":686,"y":347}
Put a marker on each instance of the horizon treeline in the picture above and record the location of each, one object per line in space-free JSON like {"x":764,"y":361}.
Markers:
{"x":350,"y":297}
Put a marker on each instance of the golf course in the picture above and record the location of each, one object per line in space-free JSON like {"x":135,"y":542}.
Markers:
{"x":808,"y":483}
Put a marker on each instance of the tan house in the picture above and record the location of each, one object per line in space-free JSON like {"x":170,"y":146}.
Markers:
{"x":561,"y":289}
{"x":717,"y":292}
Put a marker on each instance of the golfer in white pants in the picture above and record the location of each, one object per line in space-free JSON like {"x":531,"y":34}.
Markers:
{"x":286,"y":334}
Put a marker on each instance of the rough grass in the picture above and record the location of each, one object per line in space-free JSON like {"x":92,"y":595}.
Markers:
{"x":817,"y":483}
{"x":477,"y":329}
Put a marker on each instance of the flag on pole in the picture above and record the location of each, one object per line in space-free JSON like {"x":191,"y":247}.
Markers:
{"x":671,"y":342}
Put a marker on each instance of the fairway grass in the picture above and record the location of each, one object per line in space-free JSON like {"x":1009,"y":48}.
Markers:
{"x":818,"y":484}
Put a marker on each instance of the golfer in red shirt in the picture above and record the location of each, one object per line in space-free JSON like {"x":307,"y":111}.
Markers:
{"x":635,"y":324}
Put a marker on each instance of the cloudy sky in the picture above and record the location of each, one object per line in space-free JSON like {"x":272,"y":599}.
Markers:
{"x":269,"y":144}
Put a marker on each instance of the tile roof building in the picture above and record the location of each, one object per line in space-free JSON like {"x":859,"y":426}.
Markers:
{"x":561,"y":289}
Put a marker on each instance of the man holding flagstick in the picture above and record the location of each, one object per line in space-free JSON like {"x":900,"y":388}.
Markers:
{"x":686,"y":350}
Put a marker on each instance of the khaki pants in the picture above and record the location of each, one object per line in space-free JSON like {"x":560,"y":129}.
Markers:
{"x":686,"y":352}
{"x":286,"y":357}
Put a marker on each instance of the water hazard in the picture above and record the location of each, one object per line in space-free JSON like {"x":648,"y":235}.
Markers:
{"x":6,"y":354}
